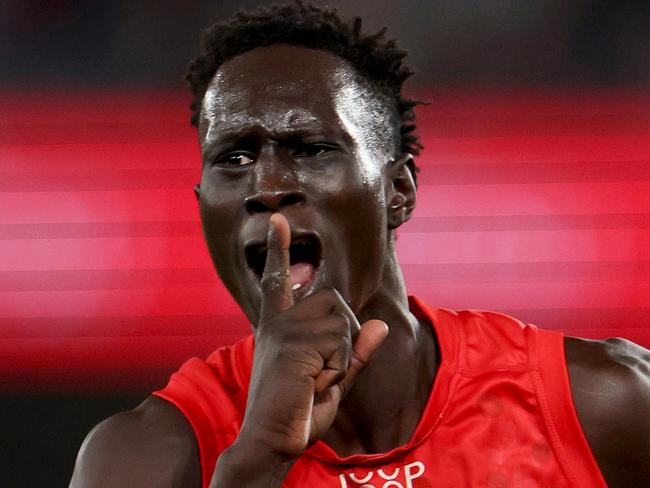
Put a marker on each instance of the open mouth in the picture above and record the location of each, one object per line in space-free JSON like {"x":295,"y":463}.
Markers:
{"x":305,"y":254}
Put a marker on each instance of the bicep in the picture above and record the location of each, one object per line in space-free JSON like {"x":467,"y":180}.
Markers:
{"x":147,"y":447}
{"x":611,"y":388}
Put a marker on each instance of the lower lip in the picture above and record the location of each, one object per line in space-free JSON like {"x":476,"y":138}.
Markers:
{"x":310,"y":286}
{"x":300,"y":274}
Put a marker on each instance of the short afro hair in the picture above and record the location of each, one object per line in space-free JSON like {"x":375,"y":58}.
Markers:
{"x":374,"y":57}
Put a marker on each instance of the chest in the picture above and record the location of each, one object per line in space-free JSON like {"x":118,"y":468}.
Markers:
{"x":494,"y":436}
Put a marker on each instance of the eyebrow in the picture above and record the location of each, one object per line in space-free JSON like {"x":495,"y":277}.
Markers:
{"x":243,"y":135}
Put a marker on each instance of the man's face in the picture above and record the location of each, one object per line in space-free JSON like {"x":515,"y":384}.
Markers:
{"x":288,"y":129}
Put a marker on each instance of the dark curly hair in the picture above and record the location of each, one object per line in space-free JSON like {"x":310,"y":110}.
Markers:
{"x":374,"y":57}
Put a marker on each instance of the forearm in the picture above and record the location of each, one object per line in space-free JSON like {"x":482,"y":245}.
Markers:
{"x":245,"y":465}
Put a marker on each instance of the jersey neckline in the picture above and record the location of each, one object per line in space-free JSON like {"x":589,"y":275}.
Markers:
{"x":439,"y":396}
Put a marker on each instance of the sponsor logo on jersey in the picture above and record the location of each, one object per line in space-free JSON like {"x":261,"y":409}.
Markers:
{"x":399,"y":477}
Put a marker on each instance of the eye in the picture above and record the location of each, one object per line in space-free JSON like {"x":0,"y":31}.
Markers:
{"x":236,"y":158}
{"x":311,"y":150}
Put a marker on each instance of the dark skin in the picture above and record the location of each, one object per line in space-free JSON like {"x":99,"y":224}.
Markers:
{"x":286,"y":154}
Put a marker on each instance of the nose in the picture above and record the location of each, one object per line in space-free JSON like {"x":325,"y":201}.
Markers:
{"x":272,"y":201}
{"x":273,"y":185}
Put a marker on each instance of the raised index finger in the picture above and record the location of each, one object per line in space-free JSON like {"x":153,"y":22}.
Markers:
{"x":276,"y":285}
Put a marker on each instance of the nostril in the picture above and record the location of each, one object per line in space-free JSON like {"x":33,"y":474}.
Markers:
{"x":255,"y":206}
{"x":291,"y":199}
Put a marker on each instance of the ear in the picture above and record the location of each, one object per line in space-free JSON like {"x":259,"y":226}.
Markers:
{"x":197,"y":191}
{"x":400,"y":195}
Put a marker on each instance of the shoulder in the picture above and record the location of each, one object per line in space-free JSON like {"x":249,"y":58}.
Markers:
{"x":610,"y":382}
{"x":152,"y":445}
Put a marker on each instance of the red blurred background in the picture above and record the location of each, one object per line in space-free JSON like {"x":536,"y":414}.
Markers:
{"x":534,"y":203}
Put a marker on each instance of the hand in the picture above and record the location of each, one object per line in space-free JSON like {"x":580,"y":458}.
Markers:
{"x":307,"y":356}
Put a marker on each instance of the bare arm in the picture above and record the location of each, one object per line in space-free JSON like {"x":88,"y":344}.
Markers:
{"x":610,"y":381}
{"x":150,"y":446}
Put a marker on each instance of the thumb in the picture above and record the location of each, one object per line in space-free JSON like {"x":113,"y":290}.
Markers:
{"x":371,"y":335}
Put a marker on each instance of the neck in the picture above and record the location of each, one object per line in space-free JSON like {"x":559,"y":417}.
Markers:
{"x":382,"y":409}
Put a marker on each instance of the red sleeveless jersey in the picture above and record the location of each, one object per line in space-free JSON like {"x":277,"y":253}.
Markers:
{"x":500,"y":414}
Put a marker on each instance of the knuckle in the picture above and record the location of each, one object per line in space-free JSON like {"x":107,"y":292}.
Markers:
{"x":273,"y":281}
{"x":346,"y":351}
{"x":346,"y":343}
{"x":338,"y":343}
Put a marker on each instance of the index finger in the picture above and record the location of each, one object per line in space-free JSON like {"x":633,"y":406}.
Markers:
{"x":276,"y":285}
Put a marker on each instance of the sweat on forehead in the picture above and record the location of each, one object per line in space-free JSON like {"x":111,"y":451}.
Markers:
{"x":302,"y":83}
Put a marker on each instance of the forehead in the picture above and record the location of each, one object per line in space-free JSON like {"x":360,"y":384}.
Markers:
{"x":278,"y":87}
{"x":289,"y":88}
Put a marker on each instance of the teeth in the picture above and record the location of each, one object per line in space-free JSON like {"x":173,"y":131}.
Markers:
{"x":296,"y":286}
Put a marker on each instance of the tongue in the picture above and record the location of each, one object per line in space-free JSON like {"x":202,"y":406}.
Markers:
{"x":300,"y":274}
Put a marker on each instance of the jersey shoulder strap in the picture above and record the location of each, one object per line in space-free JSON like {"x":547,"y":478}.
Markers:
{"x":211,"y":394}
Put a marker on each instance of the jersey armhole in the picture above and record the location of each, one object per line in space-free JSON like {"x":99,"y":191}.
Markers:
{"x":554,"y":389}
{"x":199,"y":421}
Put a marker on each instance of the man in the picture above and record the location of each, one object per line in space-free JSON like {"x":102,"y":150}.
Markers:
{"x":307,"y":172}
